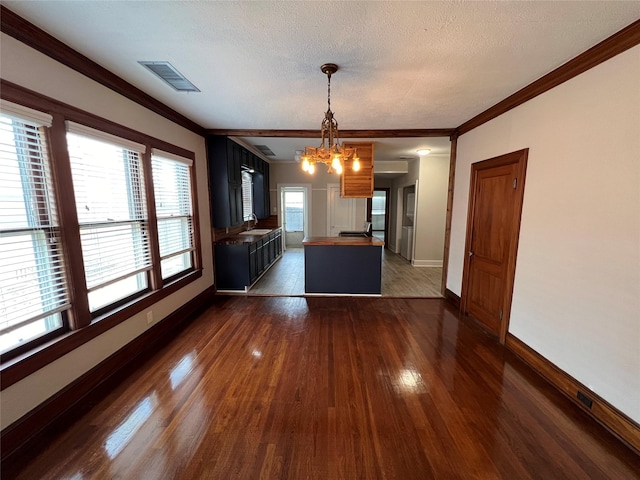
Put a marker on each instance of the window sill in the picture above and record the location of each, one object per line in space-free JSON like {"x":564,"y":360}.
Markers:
{"x":22,"y":366}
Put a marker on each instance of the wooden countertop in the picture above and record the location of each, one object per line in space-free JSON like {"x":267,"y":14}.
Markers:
{"x":337,"y":241}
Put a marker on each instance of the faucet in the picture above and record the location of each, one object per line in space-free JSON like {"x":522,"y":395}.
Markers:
{"x":255,"y":222}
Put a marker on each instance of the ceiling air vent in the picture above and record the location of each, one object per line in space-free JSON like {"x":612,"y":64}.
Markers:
{"x":169,"y":74}
{"x":266,"y":150}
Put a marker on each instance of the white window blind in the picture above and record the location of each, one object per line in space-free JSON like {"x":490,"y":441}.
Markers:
{"x":247,"y":195}
{"x":104,"y":137}
{"x":172,"y":190}
{"x":33,"y":288}
{"x":26,"y":115}
{"x":110,"y":200}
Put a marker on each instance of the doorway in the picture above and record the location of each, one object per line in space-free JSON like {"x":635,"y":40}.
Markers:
{"x":378,"y":213}
{"x":294,"y":215}
{"x":406,"y":213}
{"x":341,"y":212}
{"x":493,"y":227}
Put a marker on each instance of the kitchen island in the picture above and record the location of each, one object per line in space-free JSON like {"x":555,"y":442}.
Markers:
{"x":343,"y":265}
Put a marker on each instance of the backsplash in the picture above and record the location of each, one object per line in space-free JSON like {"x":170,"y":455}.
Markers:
{"x":222,"y":233}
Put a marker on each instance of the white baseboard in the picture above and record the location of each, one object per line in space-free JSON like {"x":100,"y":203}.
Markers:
{"x":427,"y":263}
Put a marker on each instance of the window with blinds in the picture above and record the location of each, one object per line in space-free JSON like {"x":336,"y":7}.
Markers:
{"x":112,"y":214}
{"x":33,"y":288}
{"x":172,"y":191}
{"x":247,"y":195}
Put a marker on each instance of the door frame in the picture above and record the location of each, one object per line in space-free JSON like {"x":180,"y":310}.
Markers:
{"x":519,"y":158}
{"x":306,"y":188}
{"x":400,"y":214}
{"x":352,"y":207}
{"x":387,"y":190}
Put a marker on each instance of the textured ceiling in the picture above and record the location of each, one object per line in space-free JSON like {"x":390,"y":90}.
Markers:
{"x":403,"y":65}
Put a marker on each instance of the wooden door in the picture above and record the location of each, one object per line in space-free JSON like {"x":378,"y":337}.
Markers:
{"x":493,"y":225}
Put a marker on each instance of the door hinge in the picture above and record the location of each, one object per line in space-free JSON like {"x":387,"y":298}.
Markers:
{"x":500,"y":314}
{"x":515,"y":183}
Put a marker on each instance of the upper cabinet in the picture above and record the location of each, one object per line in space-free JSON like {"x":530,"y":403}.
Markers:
{"x":358,"y":184}
{"x":227,"y":159}
{"x":261,"y":200}
{"x":235,"y":157}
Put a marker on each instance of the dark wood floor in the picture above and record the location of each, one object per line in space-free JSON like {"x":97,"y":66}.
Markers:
{"x":330,"y":388}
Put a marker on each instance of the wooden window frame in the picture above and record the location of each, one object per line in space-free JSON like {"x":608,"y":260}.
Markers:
{"x":191,"y":250}
{"x":46,"y":225}
{"x":136,"y":199}
{"x":16,"y":366}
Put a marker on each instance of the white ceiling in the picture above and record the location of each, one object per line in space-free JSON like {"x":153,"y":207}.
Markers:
{"x":403,"y":65}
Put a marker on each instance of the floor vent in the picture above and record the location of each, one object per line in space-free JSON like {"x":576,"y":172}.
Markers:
{"x":170,"y":75}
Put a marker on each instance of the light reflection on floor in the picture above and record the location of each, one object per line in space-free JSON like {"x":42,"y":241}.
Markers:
{"x":125,"y":432}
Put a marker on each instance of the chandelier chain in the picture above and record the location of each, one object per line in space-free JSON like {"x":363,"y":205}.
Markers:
{"x":330,"y":152}
{"x":329,"y":91}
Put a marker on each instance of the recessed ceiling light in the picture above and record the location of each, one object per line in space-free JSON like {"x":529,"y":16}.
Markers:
{"x":423,"y":151}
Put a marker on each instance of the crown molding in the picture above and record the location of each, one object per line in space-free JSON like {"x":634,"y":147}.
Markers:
{"x":399,"y":133}
{"x":24,"y":31}
{"x":31,"y":35}
{"x":617,"y":43}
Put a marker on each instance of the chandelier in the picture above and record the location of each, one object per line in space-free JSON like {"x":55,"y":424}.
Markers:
{"x":330,"y":152}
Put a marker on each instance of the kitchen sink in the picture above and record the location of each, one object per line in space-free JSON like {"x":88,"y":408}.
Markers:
{"x":256,"y":231}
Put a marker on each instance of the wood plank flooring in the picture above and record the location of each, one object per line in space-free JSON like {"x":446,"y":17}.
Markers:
{"x":333,"y":388}
{"x":399,"y":277}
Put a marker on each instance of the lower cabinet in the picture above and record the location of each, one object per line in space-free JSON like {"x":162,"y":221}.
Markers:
{"x":238,"y":266}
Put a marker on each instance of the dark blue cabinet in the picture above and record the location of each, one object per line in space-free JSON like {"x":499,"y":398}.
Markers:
{"x":226,"y":162}
{"x":239,"y":265}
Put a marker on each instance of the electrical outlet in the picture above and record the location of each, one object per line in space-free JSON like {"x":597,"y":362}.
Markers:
{"x":584,"y":399}
{"x":149,"y":317}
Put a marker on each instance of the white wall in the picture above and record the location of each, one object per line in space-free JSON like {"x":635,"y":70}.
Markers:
{"x":292,"y":173}
{"x":432,"y":174}
{"x":431,"y":217}
{"x":26,"y":67}
{"x":576,"y":296}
